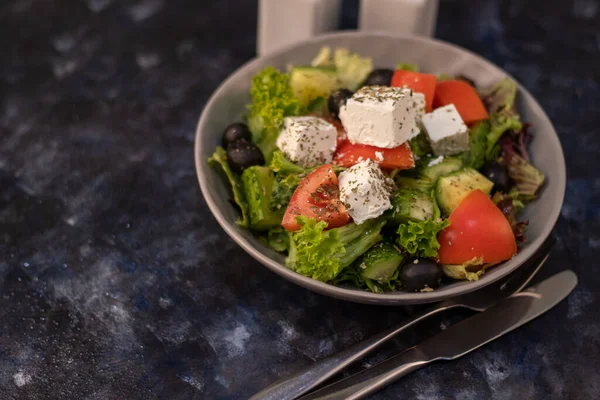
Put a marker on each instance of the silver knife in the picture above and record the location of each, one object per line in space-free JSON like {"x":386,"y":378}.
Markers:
{"x":457,"y":340}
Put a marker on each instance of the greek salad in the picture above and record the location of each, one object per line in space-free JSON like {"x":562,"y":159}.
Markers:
{"x":380,"y":179}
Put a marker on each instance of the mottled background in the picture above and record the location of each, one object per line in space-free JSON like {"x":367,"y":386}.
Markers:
{"x":117,"y":283}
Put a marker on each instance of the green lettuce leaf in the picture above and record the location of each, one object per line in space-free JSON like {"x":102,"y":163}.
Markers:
{"x":510,"y":207}
{"x":420,"y":238}
{"x":287,"y":177}
{"x":283,"y":189}
{"x":500,"y":102}
{"x":322,"y":254}
{"x":272,"y":100}
{"x":315,"y":252}
{"x":278,"y":239}
{"x":499,"y":124}
{"x":528,"y":179}
{"x":219,"y":158}
{"x":478,"y":135}
{"x":258,"y":182}
{"x":279,"y":163}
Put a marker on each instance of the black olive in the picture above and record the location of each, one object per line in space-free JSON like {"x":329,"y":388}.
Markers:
{"x":379,"y":77}
{"x":498,"y":174}
{"x":419,"y":274}
{"x":242,"y":154}
{"x":337,"y":99}
{"x":235,"y":132}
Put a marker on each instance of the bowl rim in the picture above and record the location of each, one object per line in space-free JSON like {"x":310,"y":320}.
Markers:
{"x":357,"y":295}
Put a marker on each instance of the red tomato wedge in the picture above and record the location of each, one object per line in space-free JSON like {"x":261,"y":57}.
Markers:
{"x":478,"y":229}
{"x":318,"y":197}
{"x":418,"y":82}
{"x":464,"y":97}
{"x":348,"y":154}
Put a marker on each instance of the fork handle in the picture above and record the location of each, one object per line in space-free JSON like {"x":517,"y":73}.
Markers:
{"x":308,"y":378}
{"x":369,"y":381}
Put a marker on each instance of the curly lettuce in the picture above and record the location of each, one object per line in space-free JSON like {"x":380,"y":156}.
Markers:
{"x":278,"y":239}
{"x":219,"y":158}
{"x":322,"y":254}
{"x":500,"y":102}
{"x":280,"y":164}
{"x":287,"y":178}
{"x":510,"y":207}
{"x":528,"y":179}
{"x":272,"y":100}
{"x":419,"y":239}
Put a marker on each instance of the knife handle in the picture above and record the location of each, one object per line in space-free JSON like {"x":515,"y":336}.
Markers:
{"x":317,"y":373}
{"x":372,"y":379}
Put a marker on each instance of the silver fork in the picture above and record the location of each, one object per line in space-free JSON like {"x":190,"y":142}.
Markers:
{"x":309,"y":378}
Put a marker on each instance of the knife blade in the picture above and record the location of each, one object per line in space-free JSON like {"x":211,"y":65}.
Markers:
{"x":457,"y":340}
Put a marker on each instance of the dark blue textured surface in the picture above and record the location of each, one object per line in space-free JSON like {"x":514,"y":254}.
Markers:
{"x":117,"y":283}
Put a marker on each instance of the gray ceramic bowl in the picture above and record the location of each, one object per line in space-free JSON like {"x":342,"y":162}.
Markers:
{"x":227,"y":105}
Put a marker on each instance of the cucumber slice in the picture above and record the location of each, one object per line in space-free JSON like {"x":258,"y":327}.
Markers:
{"x":445,"y":167}
{"x":410,"y":205}
{"x":411,"y":183}
{"x":309,"y":83}
{"x":451,"y":189}
{"x":380,"y":262}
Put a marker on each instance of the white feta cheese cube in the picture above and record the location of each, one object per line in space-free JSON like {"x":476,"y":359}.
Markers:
{"x":307,"y":141}
{"x":365,"y":191}
{"x":446,"y":131}
{"x":419,"y":99}
{"x":380,"y":116}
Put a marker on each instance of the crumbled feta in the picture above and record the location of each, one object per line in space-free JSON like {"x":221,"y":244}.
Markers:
{"x":446,"y":131}
{"x":379,"y":156}
{"x":365,"y":191}
{"x":307,"y":141}
{"x":381,"y":116}
{"x":435,"y":161}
